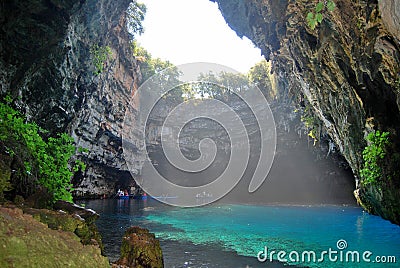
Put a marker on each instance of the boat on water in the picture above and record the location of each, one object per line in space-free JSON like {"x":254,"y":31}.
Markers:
{"x":140,"y":196}
{"x":122,"y":194}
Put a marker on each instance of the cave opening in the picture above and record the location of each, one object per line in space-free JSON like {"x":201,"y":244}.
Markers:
{"x":303,"y":172}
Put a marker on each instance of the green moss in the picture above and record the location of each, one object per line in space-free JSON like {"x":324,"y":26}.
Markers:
{"x":29,"y":243}
{"x":86,"y":230}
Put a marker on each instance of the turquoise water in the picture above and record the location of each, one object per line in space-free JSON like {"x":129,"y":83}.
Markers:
{"x":245,"y":230}
{"x":248,"y":229}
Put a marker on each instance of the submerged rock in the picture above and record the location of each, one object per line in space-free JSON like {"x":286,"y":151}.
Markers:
{"x":140,"y":249}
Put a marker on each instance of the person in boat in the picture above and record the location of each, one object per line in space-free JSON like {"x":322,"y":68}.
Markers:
{"x":120,"y":193}
{"x":126,"y":193}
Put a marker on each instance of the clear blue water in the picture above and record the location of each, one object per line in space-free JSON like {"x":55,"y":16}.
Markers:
{"x":231,"y":235}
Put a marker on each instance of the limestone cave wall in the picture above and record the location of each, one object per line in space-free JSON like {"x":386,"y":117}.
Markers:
{"x":47,"y":68}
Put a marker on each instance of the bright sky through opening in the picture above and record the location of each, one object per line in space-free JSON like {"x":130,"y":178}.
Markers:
{"x":183,"y":31}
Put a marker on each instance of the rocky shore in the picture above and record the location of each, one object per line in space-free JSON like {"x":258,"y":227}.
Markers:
{"x":67,"y":237}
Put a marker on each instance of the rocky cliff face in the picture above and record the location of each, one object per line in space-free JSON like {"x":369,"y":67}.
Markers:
{"x":326,"y":180}
{"x":47,"y":67}
{"x":346,"y":70}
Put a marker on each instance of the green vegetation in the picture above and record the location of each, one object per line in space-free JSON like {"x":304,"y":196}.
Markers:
{"x":100,"y":55}
{"x":221,"y":85}
{"x":140,"y":248}
{"x":373,"y":156}
{"x":260,"y":75}
{"x":167,"y":73}
{"x":135,"y":16}
{"x":36,"y":161}
{"x":312,"y":123}
{"x":314,"y":18}
{"x":218,"y":86}
{"x":150,"y":66}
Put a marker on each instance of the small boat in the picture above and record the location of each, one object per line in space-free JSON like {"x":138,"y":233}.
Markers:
{"x":140,"y":197}
{"x":122,"y":194}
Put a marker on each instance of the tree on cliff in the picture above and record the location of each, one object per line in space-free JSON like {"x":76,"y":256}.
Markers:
{"x":135,"y":16}
{"x":163,"y":74}
{"x":260,"y":75}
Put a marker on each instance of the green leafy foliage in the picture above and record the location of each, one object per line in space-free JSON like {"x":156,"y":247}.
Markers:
{"x":330,"y":6}
{"x":100,"y":55}
{"x":135,"y":16}
{"x":44,"y":163}
{"x":316,"y":17}
{"x":373,"y":156}
{"x":312,"y":123}
{"x":150,"y":66}
{"x":312,"y":22}
{"x":319,"y":7}
{"x":164,"y":74}
{"x":168,"y":74}
{"x":260,"y":75}
{"x":79,"y":165}
{"x":221,"y":85}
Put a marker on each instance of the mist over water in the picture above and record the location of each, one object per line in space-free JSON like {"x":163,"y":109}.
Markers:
{"x":295,"y":178}
{"x":298,"y":177}
{"x":302,"y":172}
